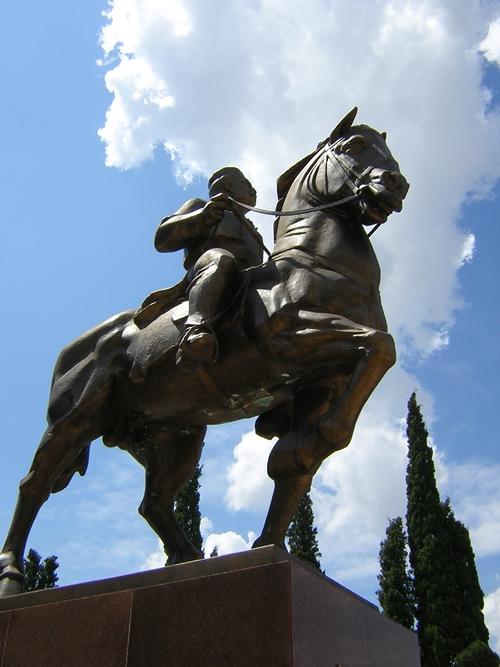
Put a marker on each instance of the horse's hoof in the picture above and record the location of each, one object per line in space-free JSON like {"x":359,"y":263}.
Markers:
{"x":11,"y":582}
{"x":178,"y":557}
{"x":260,"y":542}
{"x":266,"y":542}
{"x":11,"y":577}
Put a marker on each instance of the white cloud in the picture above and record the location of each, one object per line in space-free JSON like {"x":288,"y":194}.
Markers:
{"x":249,"y":486}
{"x":490,"y":46}
{"x":205,"y":526}
{"x":492,"y":617}
{"x":475,"y":497}
{"x":155,"y":559}
{"x":228,"y":542}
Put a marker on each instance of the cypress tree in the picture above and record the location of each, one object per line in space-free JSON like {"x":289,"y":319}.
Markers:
{"x":302,"y":534}
{"x":215,"y":552}
{"x":474,"y":634}
{"x":396,"y":588}
{"x":431,"y":554}
{"x":477,"y":654}
{"x":449,"y":599}
{"x":38,"y":575}
{"x":187,"y":509}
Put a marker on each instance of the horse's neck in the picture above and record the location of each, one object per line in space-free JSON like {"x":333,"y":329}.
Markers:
{"x":328,"y":238}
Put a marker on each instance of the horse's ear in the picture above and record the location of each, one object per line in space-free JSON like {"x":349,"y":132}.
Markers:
{"x":383,"y":135}
{"x":344,"y":125}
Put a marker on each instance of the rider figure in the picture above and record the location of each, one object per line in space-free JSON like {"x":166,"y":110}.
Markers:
{"x":218,"y":241}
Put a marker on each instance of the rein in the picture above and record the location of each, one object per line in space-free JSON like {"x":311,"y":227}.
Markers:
{"x":266,"y":211}
{"x":354,"y":186}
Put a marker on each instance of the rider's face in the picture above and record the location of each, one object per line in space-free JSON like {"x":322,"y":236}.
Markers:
{"x":242,"y":190}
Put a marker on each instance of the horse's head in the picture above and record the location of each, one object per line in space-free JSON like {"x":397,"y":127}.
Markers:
{"x":362,"y":164}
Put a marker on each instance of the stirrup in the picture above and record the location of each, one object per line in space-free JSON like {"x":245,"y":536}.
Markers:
{"x":186,"y":351}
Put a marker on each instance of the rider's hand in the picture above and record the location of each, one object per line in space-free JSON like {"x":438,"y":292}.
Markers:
{"x":214,"y":209}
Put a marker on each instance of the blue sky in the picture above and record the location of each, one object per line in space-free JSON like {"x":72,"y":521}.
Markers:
{"x":187,"y":91}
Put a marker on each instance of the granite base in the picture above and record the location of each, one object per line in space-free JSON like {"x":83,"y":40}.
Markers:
{"x":258,"y":608}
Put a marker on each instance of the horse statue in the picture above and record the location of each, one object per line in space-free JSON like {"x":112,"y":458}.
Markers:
{"x":302,"y":349}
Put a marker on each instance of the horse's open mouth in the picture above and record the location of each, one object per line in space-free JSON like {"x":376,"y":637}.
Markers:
{"x":375,"y":208}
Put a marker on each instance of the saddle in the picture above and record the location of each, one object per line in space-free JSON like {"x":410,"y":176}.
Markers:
{"x":158,"y":302}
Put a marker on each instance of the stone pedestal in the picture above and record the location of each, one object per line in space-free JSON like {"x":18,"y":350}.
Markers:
{"x":262,"y":608}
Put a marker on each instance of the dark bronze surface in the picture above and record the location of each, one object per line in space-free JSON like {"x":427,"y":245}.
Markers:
{"x":300,"y":341}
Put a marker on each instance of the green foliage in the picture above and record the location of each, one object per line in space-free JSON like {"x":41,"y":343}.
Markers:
{"x":477,"y":654}
{"x":40,"y":575}
{"x":396,"y":587}
{"x":430,"y":550}
{"x":302,"y":534}
{"x":468,"y":593}
{"x":448,"y":597}
{"x":187,"y":509}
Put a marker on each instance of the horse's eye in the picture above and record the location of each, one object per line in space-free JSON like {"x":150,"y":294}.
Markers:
{"x":354,"y":145}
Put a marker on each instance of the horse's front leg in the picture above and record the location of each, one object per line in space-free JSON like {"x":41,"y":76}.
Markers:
{"x":318,"y":339}
{"x":324,"y":418}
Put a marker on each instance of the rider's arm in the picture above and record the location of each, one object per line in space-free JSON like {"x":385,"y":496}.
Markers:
{"x":181,"y":229}
{"x":189,"y":224}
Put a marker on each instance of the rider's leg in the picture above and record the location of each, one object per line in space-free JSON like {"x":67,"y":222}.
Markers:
{"x":169,"y":456}
{"x":214,"y":277}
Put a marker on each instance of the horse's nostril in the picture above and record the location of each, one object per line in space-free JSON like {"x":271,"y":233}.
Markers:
{"x":390,"y":179}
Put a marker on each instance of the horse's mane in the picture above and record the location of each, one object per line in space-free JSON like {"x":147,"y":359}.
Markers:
{"x":284,"y":182}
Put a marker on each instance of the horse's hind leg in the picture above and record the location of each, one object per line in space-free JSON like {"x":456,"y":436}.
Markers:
{"x":60,"y":447}
{"x":169,"y":455}
{"x":291,"y":471}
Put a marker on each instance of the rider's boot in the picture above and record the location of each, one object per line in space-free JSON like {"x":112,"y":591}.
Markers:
{"x":199,"y":345}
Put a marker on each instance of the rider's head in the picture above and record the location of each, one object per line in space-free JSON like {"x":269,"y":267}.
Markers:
{"x":231,"y":181}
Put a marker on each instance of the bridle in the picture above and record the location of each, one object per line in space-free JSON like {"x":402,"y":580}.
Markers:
{"x":354,"y":180}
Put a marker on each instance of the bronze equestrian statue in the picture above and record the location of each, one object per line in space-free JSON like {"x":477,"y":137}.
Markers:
{"x":301,"y":344}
